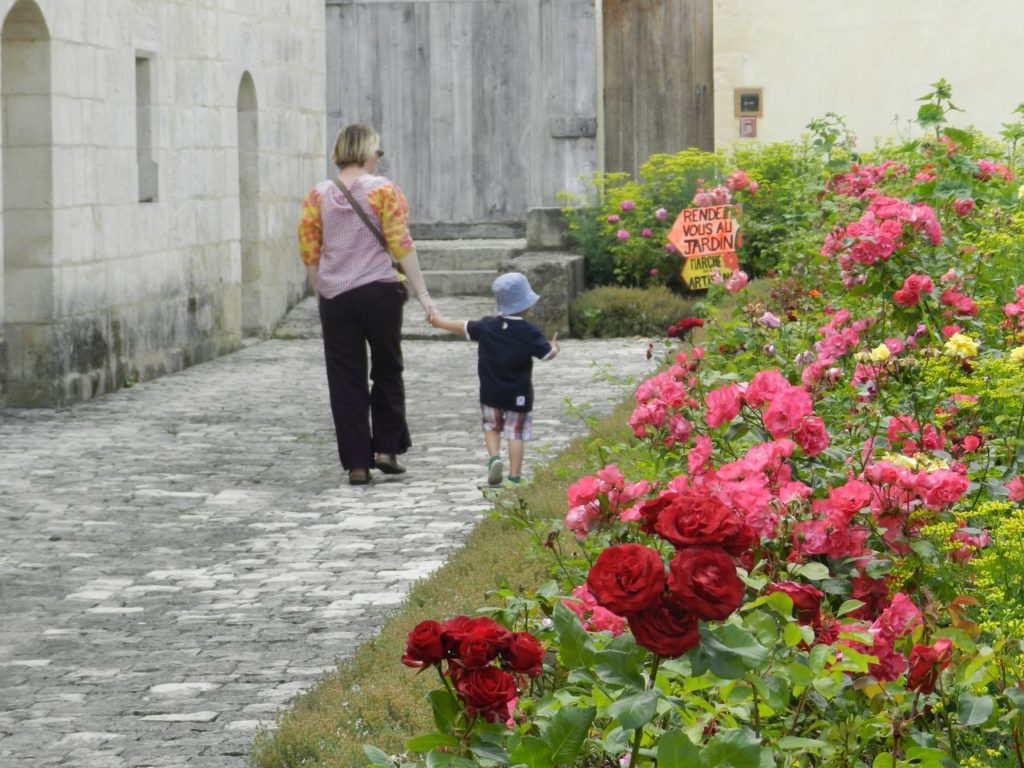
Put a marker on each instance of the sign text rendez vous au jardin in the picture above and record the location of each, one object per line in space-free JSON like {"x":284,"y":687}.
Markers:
{"x":706,"y":239}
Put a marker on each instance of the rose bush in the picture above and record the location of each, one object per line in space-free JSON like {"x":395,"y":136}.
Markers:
{"x":813,"y":552}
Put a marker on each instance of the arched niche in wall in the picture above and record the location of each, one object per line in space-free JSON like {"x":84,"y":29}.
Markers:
{"x":27,"y":160}
{"x":249,"y":207}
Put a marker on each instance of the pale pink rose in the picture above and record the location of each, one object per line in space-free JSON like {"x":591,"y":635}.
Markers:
{"x":622,"y":234}
{"x":661,"y":214}
{"x":737,"y":281}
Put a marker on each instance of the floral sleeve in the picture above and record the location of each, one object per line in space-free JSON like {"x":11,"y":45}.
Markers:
{"x":310,"y":230}
{"x":393,"y":210}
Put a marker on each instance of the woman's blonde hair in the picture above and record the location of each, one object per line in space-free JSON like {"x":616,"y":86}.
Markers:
{"x":355,"y":145}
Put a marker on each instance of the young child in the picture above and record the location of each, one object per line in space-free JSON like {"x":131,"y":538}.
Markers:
{"x":507,"y":346}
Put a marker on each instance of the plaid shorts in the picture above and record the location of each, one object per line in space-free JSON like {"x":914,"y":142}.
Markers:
{"x":517,"y":425}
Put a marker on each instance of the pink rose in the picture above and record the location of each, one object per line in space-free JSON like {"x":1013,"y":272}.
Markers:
{"x":737,"y":281}
{"x":812,"y":437}
{"x":646,"y":232}
{"x":963,"y":206}
{"x":787,"y":409}
{"x":623,"y":235}
{"x":723,"y":405}
{"x":612,"y":218}
{"x":627,"y":205}
{"x":1016,"y":488}
{"x":661,"y":214}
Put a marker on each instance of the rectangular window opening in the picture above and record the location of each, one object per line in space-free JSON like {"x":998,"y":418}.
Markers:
{"x":145,"y":155}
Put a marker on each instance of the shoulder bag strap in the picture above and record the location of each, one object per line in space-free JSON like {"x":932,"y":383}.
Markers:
{"x":362,"y":214}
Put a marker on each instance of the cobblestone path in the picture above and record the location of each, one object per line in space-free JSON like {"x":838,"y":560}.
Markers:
{"x":178,"y":560}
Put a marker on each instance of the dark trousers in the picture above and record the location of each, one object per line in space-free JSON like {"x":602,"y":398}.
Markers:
{"x":368,"y":315}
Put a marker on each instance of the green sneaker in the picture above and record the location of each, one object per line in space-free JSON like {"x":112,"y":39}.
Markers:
{"x":495,"y":470}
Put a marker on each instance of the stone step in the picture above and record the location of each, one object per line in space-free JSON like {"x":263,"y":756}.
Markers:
{"x":460,"y":282}
{"x":447,"y":255}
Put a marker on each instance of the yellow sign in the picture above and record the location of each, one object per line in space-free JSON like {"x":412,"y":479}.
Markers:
{"x":706,"y":239}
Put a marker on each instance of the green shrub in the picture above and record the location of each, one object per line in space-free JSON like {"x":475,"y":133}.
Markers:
{"x":611,"y":311}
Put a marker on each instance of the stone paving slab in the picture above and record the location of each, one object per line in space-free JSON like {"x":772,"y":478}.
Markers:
{"x":180,"y":559}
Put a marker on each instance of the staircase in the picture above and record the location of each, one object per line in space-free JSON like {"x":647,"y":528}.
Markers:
{"x":458,"y":274}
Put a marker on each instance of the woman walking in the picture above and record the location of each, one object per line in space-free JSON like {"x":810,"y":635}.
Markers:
{"x":353,"y":227}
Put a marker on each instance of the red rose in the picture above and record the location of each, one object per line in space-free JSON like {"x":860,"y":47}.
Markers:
{"x":806,"y":600}
{"x":487,"y":691}
{"x":666,"y":629}
{"x":424,"y":646}
{"x":627,"y":578}
{"x":524,"y":654}
{"x":926,"y":662}
{"x":452,"y":632}
{"x":651,"y":510}
{"x":695,"y":520}
{"x":482,"y":640}
{"x":703,"y":580}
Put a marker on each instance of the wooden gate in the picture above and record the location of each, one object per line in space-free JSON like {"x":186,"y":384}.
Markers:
{"x":658,"y":79}
{"x":486,"y":108}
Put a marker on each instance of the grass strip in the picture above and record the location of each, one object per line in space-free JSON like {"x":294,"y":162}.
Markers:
{"x":372,"y":698}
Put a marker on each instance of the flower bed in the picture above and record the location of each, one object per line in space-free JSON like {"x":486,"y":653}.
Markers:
{"x":813,"y":552}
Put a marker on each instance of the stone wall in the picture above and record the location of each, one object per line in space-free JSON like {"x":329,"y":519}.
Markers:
{"x":154,"y":155}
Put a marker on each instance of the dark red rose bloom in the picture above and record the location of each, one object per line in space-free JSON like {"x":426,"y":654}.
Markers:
{"x":487,"y":691}
{"x":926,"y":662}
{"x":424,"y":645}
{"x":806,"y":600}
{"x":627,"y":578}
{"x":524,"y":654}
{"x":452,"y":632}
{"x":482,"y":640}
{"x":651,"y":510}
{"x":698,"y":520}
{"x":666,"y":629}
{"x":703,"y":580}
{"x":684,"y":326}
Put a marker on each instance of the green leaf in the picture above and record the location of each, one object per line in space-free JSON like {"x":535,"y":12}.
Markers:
{"x":930,"y":114}
{"x":884,"y":760}
{"x":736,"y":748}
{"x":619,"y":666}
{"x":675,"y":750}
{"x":1016,"y":697}
{"x":730,"y":651}
{"x":635,"y":710}
{"x":791,"y":634}
{"x":429,"y":741}
{"x":576,"y":648}
{"x":813,"y":571}
{"x":376,"y":756}
{"x":445,"y":707}
{"x":974,"y":710}
{"x":532,"y":751}
{"x":793,"y":743}
{"x":567,"y":731}
{"x":849,"y":606}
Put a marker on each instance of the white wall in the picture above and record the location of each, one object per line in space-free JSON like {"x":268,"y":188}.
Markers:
{"x":164,"y":277}
{"x":867,"y":60}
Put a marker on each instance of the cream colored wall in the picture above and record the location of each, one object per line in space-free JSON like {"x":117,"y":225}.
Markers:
{"x":867,"y":60}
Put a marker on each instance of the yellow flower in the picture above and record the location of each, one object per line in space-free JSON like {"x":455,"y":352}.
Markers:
{"x":961,"y":346}
{"x":1017,"y":355}
{"x":1020,"y":192}
{"x":880,"y":354}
